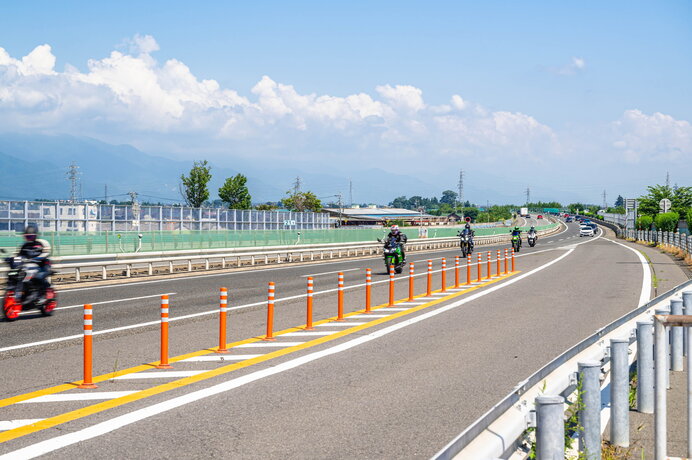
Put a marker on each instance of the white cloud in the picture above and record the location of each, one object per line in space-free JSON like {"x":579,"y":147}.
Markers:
{"x":141,"y":44}
{"x":652,"y":138}
{"x":576,"y":65}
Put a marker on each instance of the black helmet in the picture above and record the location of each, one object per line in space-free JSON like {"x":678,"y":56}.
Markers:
{"x":30,"y":232}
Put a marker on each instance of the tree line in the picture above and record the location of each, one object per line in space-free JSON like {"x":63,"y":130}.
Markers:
{"x":649,"y":214}
{"x":235,"y":194}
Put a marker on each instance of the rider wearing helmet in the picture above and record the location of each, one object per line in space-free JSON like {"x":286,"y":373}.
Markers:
{"x":400,"y":238}
{"x":36,"y":250}
{"x":532,"y":231}
{"x":516,"y":231}
{"x":467,"y":230}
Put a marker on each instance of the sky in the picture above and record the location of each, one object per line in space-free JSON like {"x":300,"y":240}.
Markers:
{"x":570,"y":98}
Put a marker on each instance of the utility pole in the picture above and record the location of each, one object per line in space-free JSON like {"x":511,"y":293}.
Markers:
{"x":528,"y":195}
{"x":461,"y":192}
{"x":73,"y":176}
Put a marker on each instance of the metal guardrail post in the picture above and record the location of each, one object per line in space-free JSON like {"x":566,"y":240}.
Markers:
{"x":590,"y":415}
{"x":645,"y":367}
{"x":619,"y":393}
{"x":666,"y":311}
{"x":676,"y":338}
{"x":550,"y":427}
{"x":661,"y":368}
{"x":687,"y":310}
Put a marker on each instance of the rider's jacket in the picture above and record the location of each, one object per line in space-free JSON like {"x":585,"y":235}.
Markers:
{"x":38,"y":250}
{"x":400,"y":237}
{"x":516,"y":232}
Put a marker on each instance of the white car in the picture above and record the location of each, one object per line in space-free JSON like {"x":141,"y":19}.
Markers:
{"x":585,"y":230}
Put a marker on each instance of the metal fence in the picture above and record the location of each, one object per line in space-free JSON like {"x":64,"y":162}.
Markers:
{"x":91,"y":217}
{"x":678,"y":240}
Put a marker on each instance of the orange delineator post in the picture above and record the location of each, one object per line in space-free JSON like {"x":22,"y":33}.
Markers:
{"x":391,"y":285}
{"x":444,"y":275}
{"x":223,"y":308}
{"x":512,"y":259}
{"x":308,"y":322}
{"x":340,"y":301}
{"x":88,"y":357}
{"x":506,"y":269}
{"x":499,"y":268}
{"x":490,"y":265}
{"x":410,"y":281}
{"x":270,"y":312}
{"x":468,"y":270}
{"x":480,"y":266}
{"x":456,"y":272}
{"x":368,"y":290}
{"x":163,"y":363}
{"x":428,"y":292}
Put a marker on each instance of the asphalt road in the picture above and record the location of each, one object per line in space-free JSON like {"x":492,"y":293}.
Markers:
{"x":402,"y":390}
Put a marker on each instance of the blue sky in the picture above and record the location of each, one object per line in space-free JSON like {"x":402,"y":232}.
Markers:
{"x":578,"y":69}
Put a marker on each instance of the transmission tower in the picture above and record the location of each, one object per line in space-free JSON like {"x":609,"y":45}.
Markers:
{"x":350,"y":193}
{"x":296,"y":185}
{"x":73,"y":176}
{"x":667,"y":178}
{"x":528,"y":195}
{"x":605,"y":203}
{"x":461,"y":192}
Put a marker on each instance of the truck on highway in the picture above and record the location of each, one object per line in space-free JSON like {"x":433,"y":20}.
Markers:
{"x":524,"y":212}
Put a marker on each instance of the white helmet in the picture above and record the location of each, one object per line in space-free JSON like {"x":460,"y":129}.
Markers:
{"x":394,"y":229}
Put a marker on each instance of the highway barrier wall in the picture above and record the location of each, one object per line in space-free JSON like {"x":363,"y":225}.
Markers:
{"x":565,"y":399}
{"x":73,"y":243}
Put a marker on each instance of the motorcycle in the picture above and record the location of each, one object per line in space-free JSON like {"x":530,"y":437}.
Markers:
{"x":531,"y":238}
{"x":466,"y":244}
{"x":22,"y":275}
{"x":516,"y":242}
{"x":393,"y":255}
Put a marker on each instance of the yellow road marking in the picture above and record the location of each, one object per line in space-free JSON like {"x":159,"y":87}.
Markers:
{"x":105,"y":405}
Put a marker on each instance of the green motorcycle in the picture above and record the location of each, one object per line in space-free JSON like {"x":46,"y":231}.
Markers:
{"x":393,"y":255}
{"x":516,"y":242}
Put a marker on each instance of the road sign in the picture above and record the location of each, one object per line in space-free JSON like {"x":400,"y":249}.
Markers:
{"x":289,"y":223}
{"x":664,"y":205}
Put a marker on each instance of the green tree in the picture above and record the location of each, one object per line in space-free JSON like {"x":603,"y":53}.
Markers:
{"x":302,"y":201}
{"x":266,"y":207}
{"x":194,"y":187}
{"x":235,"y":194}
{"x":449,"y":197}
{"x":644,"y":222}
{"x":574,"y":208}
{"x":667,"y":221}
{"x":680,"y":197}
{"x":619,"y":202}
{"x":688,"y":216}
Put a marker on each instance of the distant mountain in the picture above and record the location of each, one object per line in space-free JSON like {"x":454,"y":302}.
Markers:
{"x":35,"y":166}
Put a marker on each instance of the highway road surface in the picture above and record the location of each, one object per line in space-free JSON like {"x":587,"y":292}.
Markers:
{"x":398,"y":383}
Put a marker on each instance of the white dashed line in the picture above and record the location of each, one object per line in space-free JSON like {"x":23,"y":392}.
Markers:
{"x":269,"y":344}
{"x":218,"y":357}
{"x":158,"y":375}
{"x":12,"y":424}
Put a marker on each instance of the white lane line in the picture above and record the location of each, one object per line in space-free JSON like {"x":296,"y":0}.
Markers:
{"x":218,"y":357}
{"x":12,"y":424}
{"x":645,"y":294}
{"x":340,"y":324}
{"x":63,"y":397}
{"x":66,"y":307}
{"x":397,"y":309}
{"x":216,"y":311}
{"x":365,"y":316}
{"x":158,"y":375}
{"x":268,"y":344}
{"x":331,"y":273}
{"x":53,"y":444}
{"x":305,"y":333}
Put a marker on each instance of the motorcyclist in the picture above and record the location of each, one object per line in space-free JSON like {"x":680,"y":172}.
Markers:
{"x":467,"y":231}
{"x":400,"y":238}
{"x":517,"y":232}
{"x":532,"y":232}
{"x":35,"y":250}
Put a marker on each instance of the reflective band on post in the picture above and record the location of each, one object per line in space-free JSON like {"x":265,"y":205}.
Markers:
{"x":368,"y":289}
{"x":163,"y":362}
{"x":340,"y":298}
{"x":223,"y":302}
{"x":308,"y":322}
{"x":88,"y":322}
{"x":88,"y":383}
{"x":270,"y":312}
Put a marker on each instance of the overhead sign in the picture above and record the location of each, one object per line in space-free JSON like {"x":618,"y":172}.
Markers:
{"x":289,"y":223}
{"x":664,"y":205}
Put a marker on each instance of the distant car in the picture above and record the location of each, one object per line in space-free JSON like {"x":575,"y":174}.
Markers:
{"x":539,"y":217}
{"x":593,"y":226}
{"x":569,"y":219}
{"x":585,"y":230}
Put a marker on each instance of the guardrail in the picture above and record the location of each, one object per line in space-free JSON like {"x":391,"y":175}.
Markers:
{"x":79,"y":268}
{"x":505,"y":431}
{"x":671,"y":239}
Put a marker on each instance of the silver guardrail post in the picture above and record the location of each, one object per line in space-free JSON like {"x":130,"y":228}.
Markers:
{"x":590,"y":415}
{"x":687,"y":310}
{"x":550,"y":427}
{"x":676,"y":338}
{"x":619,"y":392}
{"x":666,"y":311}
{"x":660,"y":384}
{"x":645,"y":367}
